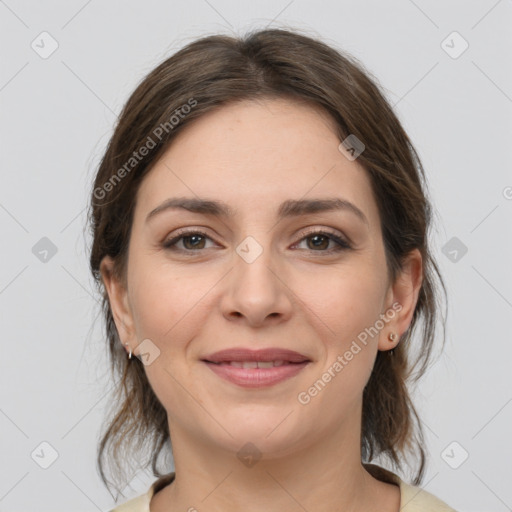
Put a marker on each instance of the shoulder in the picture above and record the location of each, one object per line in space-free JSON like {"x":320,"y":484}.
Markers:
{"x":412,"y":498}
{"x":138,"y":504}
{"x":141,"y":503}
{"x":415,"y":499}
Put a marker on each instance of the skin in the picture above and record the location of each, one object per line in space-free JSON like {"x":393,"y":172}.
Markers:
{"x":295,"y":295}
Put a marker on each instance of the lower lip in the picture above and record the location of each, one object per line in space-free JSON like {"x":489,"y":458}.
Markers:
{"x":256,"y":377}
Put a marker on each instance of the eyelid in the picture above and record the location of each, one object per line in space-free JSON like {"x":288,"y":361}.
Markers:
{"x":326,"y":231}
{"x":342,"y":241}
{"x":181,"y":233}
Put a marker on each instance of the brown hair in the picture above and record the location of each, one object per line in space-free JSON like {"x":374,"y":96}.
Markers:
{"x":204,"y":75}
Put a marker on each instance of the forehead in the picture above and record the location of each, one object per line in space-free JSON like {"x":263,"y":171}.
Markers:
{"x":256,"y":154}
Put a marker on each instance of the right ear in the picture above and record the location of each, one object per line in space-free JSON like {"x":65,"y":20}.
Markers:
{"x":119,"y":304}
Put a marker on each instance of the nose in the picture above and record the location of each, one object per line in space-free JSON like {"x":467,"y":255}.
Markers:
{"x":256,"y":290}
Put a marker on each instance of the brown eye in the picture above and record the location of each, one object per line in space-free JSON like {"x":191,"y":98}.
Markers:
{"x":319,"y":241}
{"x":191,"y":241}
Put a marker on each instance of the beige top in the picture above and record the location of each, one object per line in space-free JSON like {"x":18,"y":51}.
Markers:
{"x":412,"y":499}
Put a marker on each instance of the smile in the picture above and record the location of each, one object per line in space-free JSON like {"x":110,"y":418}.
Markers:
{"x":256,"y":374}
{"x":255,"y":364}
{"x":251,"y":368}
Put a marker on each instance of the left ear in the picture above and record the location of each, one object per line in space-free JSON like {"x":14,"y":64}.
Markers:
{"x":402,"y":298}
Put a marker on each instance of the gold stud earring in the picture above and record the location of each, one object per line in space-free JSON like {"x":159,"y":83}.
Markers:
{"x":392,"y":336}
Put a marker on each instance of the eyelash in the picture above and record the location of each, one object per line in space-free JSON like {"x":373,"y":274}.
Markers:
{"x":342,"y":244}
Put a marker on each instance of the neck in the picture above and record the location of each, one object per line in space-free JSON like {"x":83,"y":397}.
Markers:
{"x":323,"y":475}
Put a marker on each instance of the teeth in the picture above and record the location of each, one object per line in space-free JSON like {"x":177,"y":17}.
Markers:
{"x":265,"y":364}
{"x":256,"y":364}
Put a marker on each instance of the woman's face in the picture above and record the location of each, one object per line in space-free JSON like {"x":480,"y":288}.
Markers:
{"x":268,"y":273}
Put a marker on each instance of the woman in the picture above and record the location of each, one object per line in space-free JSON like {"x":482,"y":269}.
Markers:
{"x":260,"y":236}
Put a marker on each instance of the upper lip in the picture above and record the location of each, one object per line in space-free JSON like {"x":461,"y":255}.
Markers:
{"x":267,"y":354}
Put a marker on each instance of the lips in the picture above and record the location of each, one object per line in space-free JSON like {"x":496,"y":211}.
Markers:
{"x":255,"y":364}
{"x":254,"y":358}
{"x":256,"y":368}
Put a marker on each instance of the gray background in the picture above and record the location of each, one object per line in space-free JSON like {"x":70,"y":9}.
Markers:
{"x":57,"y":114}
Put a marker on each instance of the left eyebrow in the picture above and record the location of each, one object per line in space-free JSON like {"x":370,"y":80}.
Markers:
{"x":289,"y":208}
{"x":296,"y":207}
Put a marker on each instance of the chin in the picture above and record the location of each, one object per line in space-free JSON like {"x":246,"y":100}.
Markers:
{"x":263,"y":437}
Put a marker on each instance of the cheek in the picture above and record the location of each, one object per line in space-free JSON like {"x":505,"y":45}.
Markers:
{"x":166,"y":306}
{"x":344,"y":301}
{"x":343,"y":307}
